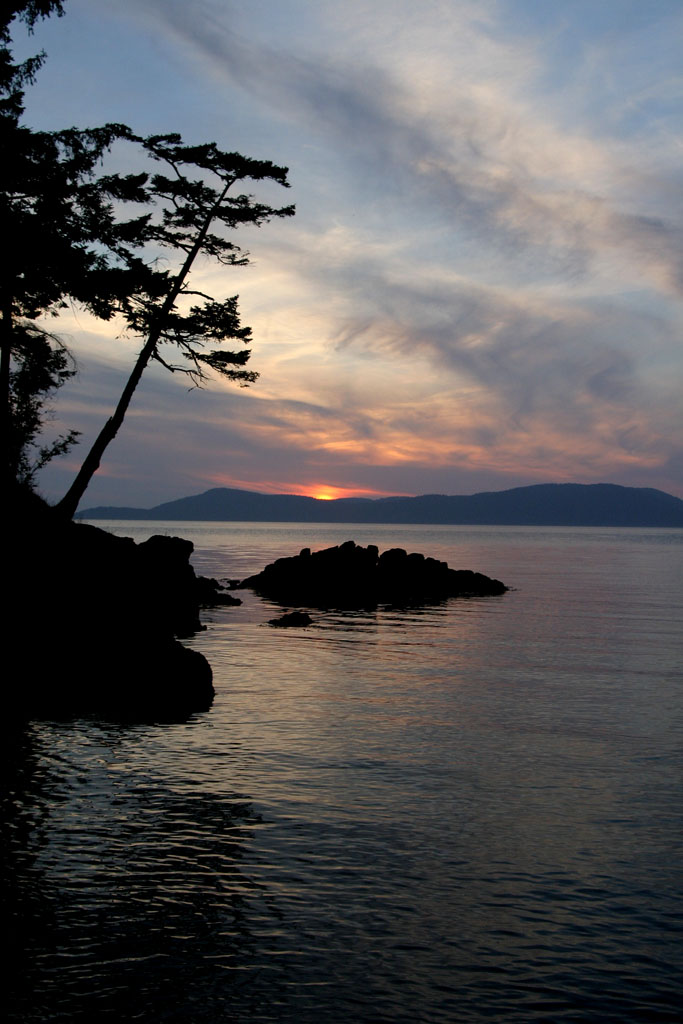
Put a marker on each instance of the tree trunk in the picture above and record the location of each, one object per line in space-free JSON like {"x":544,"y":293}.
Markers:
{"x":69,"y":503}
{"x":5,"y":364}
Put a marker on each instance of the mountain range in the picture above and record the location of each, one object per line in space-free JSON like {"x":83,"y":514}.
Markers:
{"x":538,"y":505}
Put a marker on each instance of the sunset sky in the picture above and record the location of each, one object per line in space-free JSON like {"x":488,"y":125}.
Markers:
{"x":482,"y":285}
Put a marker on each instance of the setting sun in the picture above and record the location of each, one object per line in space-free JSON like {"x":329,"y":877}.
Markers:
{"x":326,"y":493}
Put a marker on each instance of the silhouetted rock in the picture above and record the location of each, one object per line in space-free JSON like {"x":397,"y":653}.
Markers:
{"x":350,"y":576}
{"x":292,"y":619}
{"x":92,"y":620}
{"x":210,"y":593}
{"x":166,"y":561}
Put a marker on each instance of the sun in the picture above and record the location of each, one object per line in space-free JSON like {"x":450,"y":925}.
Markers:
{"x":330,"y":492}
{"x":325,"y":492}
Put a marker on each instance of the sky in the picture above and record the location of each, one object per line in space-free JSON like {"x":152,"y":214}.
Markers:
{"x":482,"y":286}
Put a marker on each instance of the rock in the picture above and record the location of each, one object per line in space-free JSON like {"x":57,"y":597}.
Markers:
{"x":210,"y":592}
{"x":92,"y":621}
{"x":351,"y":576}
{"x":166,"y":561}
{"x":292,"y":619}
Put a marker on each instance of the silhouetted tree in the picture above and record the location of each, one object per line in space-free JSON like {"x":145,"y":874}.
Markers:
{"x":73,"y":240}
{"x":57,"y":222}
{"x":40,"y":365}
{"x":188,"y":214}
{"x":13,"y":77}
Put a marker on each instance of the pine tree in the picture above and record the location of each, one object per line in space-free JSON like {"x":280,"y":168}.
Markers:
{"x":188,"y":213}
{"x":40,"y":365}
{"x":94,"y":238}
{"x":57,"y":220}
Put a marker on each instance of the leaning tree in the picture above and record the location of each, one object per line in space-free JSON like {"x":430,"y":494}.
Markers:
{"x":60,"y":235}
{"x":79,"y":234}
{"x":190,"y":209}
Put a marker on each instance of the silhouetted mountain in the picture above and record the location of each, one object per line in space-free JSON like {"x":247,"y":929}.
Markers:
{"x":538,"y":505}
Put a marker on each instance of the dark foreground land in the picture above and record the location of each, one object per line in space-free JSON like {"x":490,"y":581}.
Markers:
{"x":94,"y":620}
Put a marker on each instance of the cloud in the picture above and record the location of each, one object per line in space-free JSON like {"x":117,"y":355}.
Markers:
{"x":469,"y":144}
{"x":483,"y":280}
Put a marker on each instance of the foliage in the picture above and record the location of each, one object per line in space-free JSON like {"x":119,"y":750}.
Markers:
{"x":187,"y":213}
{"x":57,"y":216}
{"x":13,"y":77}
{"x":188,"y":209}
{"x":96,"y":238}
{"x":40,"y":365}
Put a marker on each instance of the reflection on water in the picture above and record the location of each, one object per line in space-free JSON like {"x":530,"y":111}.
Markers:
{"x":460,"y":813}
{"x":134,"y":895}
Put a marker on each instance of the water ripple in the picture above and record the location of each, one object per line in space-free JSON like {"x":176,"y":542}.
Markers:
{"x":462,"y":813}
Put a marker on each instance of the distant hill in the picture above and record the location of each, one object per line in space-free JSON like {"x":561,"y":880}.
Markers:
{"x":538,"y":505}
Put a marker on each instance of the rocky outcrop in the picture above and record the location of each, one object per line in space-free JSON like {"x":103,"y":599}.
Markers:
{"x":211,"y":593}
{"x":292,"y":619}
{"x":351,"y":576}
{"x":93,"y":622}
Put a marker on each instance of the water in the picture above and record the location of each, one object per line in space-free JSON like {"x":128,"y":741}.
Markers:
{"x":468,"y":812}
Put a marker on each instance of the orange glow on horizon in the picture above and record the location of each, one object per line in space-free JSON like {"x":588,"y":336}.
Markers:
{"x":329,"y":492}
{"x":324,"y":492}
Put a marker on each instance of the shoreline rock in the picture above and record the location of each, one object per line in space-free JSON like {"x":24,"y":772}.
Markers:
{"x":211,"y":593}
{"x":94,"y":621}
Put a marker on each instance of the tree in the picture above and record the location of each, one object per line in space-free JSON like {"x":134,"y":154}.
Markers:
{"x":13,"y":77}
{"x":77,"y":239}
{"x":188,"y":215}
{"x":65,"y":245}
{"x":41,"y":364}
{"x":58,"y":216}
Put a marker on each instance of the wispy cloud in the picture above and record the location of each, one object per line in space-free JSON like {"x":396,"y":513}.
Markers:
{"x":486,"y":268}
{"x":468,"y":143}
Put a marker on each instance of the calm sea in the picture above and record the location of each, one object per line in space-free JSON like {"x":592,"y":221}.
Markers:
{"x":467,"y":812}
